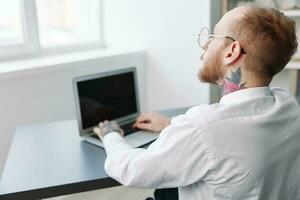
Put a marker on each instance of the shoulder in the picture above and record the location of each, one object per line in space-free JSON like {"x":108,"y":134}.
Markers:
{"x":280,"y":91}
{"x":282,"y":95}
{"x":202,"y":114}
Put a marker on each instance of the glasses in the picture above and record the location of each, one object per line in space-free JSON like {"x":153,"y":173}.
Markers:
{"x":204,"y":38}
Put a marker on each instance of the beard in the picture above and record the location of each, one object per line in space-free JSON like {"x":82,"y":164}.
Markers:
{"x":213,"y":69}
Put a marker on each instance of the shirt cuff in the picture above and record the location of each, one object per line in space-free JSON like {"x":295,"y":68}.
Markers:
{"x":114,"y":141}
{"x":110,"y":137}
{"x":172,"y":119}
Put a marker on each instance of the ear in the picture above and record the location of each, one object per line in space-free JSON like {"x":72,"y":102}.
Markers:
{"x":233,"y":53}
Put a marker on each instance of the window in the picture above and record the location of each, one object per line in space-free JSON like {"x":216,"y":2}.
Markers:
{"x":64,"y":22}
{"x":49,"y":26}
{"x":11,"y":32}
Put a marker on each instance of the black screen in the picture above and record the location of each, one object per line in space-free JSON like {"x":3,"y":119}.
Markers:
{"x":106,"y":98}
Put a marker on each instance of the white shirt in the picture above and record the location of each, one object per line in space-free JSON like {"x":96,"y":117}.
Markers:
{"x":245,"y":147}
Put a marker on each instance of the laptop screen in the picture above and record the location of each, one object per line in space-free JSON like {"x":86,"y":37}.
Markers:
{"x":106,"y":98}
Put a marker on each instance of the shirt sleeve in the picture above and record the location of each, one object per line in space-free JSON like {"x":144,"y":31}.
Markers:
{"x":178,"y":157}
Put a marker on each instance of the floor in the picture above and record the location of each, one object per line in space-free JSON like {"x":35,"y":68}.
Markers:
{"x":115,"y":193}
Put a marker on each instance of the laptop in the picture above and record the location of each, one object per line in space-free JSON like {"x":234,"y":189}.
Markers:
{"x":109,"y":96}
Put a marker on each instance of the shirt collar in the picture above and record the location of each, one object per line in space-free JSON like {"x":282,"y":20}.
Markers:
{"x":245,"y":94}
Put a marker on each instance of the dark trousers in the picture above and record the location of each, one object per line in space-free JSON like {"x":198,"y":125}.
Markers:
{"x":166,"y":194}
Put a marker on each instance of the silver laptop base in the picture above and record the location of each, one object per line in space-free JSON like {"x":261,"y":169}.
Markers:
{"x":136,"y":139}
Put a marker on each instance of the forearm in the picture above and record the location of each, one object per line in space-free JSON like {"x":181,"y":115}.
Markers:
{"x":171,"y":161}
{"x":131,"y":166}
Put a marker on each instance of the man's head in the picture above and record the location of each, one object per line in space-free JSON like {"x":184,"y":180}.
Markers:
{"x":264,"y":41}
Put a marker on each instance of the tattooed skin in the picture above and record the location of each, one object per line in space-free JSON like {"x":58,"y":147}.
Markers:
{"x":233,"y":83}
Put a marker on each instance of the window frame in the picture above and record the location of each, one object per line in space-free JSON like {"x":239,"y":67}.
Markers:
{"x":31,"y":46}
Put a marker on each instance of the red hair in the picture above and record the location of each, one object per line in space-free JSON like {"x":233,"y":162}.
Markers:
{"x":268,"y":38}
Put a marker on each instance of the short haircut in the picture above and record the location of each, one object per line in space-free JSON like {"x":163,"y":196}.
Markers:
{"x":268,"y":37}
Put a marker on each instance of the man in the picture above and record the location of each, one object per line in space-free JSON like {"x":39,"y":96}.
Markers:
{"x":245,"y":147}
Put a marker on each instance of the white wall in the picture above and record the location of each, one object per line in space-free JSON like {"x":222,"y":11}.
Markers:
{"x":167,"y":30}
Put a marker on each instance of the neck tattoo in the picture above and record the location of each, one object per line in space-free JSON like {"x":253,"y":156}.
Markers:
{"x":232,"y":83}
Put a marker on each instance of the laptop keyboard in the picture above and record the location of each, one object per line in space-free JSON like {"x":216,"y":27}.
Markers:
{"x":127,"y":128}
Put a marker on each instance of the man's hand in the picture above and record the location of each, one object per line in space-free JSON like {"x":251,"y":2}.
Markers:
{"x":106,"y":127}
{"x":152,"y":122}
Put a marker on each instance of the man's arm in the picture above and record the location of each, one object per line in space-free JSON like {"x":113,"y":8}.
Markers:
{"x":177,"y":158}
